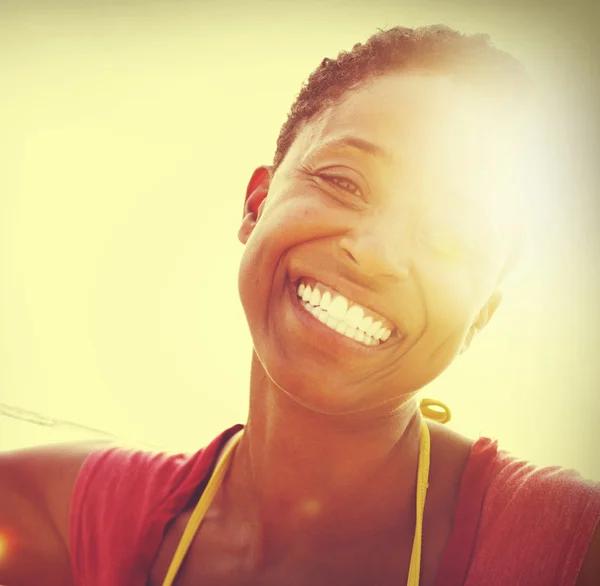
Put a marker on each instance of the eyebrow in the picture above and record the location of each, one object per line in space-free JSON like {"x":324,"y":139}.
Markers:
{"x":361,"y":144}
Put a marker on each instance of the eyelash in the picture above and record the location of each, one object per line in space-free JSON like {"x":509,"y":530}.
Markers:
{"x":334,"y":180}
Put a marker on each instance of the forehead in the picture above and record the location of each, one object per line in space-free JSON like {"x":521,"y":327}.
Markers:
{"x":397,"y":106}
{"x":412,"y":115}
{"x":428,"y":130}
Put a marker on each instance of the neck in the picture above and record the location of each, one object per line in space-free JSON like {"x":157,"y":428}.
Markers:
{"x":297,"y":472}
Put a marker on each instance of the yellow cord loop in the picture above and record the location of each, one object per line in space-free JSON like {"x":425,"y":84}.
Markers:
{"x":435,"y":410}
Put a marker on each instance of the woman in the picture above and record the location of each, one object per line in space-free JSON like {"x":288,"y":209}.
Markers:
{"x":374,"y":248}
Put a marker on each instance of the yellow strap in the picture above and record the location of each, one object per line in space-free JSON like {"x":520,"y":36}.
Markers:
{"x":216,"y":479}
{"x":422,"y":485}
{"x":198,"y":515}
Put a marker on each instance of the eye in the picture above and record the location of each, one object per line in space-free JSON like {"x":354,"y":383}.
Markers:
{"x":342,"y":183}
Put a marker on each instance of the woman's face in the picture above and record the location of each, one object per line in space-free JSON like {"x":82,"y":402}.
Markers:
{"x":387,"y":199}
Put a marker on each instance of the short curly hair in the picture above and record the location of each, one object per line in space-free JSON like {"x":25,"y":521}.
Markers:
{"x":437,"y":49}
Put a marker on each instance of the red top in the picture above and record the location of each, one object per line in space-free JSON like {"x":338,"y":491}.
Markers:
{"x":514,"y":523}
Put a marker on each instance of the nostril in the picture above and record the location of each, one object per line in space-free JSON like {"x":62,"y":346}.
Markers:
{"x":350,"y":256}
{"x":375,"y":261}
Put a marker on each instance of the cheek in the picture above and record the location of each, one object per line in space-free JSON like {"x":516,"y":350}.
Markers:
{"x":452,"y":306}
{"x":249,"y":287}
{"x":298,"y":216}
{"x":288,"y":221}
{"x":453,"y":291}
{"x":444,"y":331}
{"x":450,"y":310}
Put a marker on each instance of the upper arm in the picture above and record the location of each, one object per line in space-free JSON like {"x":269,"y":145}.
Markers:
{"x":36,"y":486}
{"x":589,"y":575}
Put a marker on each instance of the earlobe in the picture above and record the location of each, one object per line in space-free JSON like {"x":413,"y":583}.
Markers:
{"x":483,"y":318}
{"x":256,"y":193}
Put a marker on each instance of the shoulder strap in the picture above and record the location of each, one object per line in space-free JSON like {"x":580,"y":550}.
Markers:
{"x":200,"y":510}
{"x":414,"y":570}
{"x":458,"y":554}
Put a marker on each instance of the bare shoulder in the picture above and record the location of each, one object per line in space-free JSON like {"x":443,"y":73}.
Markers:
{"x":51,"y":461}
{"x":47,"y":475}
{"x":36,"y":485}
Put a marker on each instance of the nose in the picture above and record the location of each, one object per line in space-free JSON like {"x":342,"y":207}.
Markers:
{"x":378,"y":251}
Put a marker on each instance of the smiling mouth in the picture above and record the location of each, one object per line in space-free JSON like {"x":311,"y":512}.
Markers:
{"x":341,"y":314}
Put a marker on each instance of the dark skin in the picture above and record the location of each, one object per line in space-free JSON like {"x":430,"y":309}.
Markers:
{"x":321,"y":488}
{"x":335,"y":424}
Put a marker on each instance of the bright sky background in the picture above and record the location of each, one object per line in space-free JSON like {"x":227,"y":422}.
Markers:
{"x":128,"y":135}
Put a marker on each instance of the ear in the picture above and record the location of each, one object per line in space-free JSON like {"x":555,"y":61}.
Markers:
{"x":256,"y":193}
{"x":483,"y":318}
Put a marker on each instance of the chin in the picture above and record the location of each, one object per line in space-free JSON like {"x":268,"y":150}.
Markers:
{"x":318,"y":397}
{"x":311,"y":389}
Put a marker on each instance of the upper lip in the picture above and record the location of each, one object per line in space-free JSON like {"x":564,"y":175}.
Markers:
{"x":351,"y":292}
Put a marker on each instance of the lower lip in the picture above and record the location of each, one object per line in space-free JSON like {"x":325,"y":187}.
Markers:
{"x":330,"y":338}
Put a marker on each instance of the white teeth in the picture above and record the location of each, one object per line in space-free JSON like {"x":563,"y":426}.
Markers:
{"x":334,"y":312}
{"x":373,"y":328}
{"x":350,"y":332}
{"x":315,"y":297}
{"x":354,"y":316}
{"x":338,"y":307}
{"x":326,"y":300}
{"x":379,"y":334}
{"x":331,"y":321}
{"x":307,"y":293}
{"x":365,"y":323}
{"x":341,"y":327}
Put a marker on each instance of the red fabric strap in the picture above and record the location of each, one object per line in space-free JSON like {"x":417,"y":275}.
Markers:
{"x":476,"y":478}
